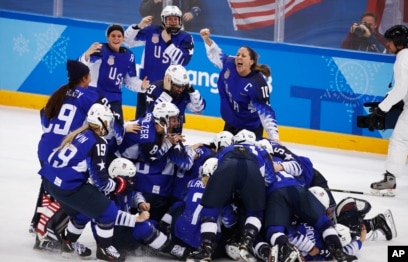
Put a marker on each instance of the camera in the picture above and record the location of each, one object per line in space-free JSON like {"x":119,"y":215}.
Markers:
{"x":376,"y":122}
{"x":371,"y":122}
{"x":359,"y":30}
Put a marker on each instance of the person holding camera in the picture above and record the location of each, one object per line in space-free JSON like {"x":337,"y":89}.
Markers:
{"x":364,"y":36}
{"x":396,"y":43}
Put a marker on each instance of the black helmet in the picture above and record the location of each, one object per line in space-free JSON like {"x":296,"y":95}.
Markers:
{"x":397,"y":34}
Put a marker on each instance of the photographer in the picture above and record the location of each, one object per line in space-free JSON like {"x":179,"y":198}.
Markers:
{"x":365,"y":36}
{"x":396,"y":43}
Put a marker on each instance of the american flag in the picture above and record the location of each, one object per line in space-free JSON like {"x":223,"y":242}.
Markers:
{"x":251,"y":14}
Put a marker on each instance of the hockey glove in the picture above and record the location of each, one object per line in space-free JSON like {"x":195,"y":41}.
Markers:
{"x":190,"y":89}
{"x":376,"y":119}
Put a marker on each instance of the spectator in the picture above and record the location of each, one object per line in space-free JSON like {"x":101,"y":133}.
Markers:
{"x":165,"y":45}
{"x":243,"y":90}
{"x":190,"y":9}
{"x":365,"y":36}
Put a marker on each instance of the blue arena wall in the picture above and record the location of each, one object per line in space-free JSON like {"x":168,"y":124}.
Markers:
{"x":317,"y":92}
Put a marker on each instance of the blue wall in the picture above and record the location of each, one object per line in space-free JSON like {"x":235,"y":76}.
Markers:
{"x":315,"y":88}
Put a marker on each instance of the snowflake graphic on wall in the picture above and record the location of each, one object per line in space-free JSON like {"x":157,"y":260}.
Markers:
{"x":346,"y":74}
{"x":57,"y":54}
{"x":20,"y":44}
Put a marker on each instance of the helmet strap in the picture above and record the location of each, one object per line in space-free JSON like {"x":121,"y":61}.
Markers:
{"x":104,"y":127}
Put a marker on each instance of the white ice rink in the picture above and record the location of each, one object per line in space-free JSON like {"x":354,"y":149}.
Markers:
{"x":19,"y":134}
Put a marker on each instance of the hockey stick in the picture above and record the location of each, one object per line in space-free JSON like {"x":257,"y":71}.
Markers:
{"x":361,"y":192}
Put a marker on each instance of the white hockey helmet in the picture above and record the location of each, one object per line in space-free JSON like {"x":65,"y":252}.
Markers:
{"x":171,"y":10}
{"x":344,"y":234}
{"x":266,"y":145}
{"x":178,"y":75}
{"x":321,"y":194}
{"x":101,"y":116}
{"x":121,"y":167}
{"x":163,"y":111}
{"x":209,"y":166}
{"x":244,"y":137}
{"x":222,"y":139}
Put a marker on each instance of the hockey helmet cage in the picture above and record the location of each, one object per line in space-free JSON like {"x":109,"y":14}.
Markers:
{"x":171,"y":10}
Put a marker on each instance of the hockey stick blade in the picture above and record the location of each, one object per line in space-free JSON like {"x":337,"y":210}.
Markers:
{"x":380,"y":194}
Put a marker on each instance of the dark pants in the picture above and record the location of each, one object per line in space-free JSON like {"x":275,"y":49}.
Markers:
{"x":237,"y":172}
{"x":86,"y":199}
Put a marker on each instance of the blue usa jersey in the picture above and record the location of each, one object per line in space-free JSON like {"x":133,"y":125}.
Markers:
{"x":286,"y":177}
{"x":110,"y":69}
{"x":183,"y":176}
{"x":305,"y":177}
{"x":155,"y":157}
{"x":142,"y":144}
{"x":304,"y":235}
{"x":192,"y":101}
{"x":245,"y":101}
{"x":157,"y":55}
{"x":188,"y":224}
{"x":263,"y":158}
{"x":71,"y":116}
{"x":74,"y":164}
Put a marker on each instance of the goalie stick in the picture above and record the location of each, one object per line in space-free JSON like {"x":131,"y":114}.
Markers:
{"x":381,"y":194}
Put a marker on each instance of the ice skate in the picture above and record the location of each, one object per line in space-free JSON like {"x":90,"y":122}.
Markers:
{"x":386,"y":186}
{"x":47,"y":244}
{"x":287,"y":253}
{"x":75,"y":249}
{"x":245,"y":248}
{"x":232,"y":250}
{"x":263,"y":251}
{"x":389,"y":223}
{"x":340,"y":256}
{"x":109,"y":254}
{"x":202,"y":255}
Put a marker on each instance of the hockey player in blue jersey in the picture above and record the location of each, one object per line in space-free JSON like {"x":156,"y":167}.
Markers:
{"x":81,"y":158}
{"x":177,"y":89}
{"x":113,"y":66}
{"x":127,"y":239}
{"x":311,"y":243}
{"x":244,"y":93}
{"x":156,"y":150}
{"x":203,"y":151}
{"x":183,"y":220}
{"x":183,"y":176}
{"x":65,"y":111}
{"x":309,"y":176}
{"x":164,"y":45}
{"x":287,"y":198}
{"x":241,"y":172}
